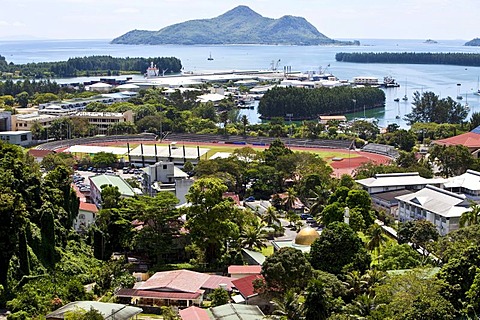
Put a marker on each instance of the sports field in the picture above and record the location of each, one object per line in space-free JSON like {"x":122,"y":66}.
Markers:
{"x":341,"y":160}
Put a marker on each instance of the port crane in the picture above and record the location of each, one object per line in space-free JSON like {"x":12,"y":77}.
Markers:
{"x":274,"y":64}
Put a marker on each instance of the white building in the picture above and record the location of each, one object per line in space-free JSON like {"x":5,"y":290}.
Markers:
{"x":397,"y":181}
{"x":103,"y":120}
{"x":86,"y":216}
{"x":144,"y":155}
{"x":371,"y":81}
{"x":97,"y":182}
{"x":20,"y":138}
{"x":164,"y":176}
{"x":441,"y":207}
{"x":467,"y":184}
{"x":5,"y":121}
{"x":26,"y":121}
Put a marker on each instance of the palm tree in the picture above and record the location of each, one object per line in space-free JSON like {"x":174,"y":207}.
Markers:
{"x":372,"y":278}
{"x":377,"y":239}
{"x":253,"y":237}
{"x":354,"y":282}
{"x":362,"y":307}
{"x":290,"y":199}
{"x":320,"y":196}
{"x":270,"y":217}
{"x":471,"y":217}
{"x":289,"y":306}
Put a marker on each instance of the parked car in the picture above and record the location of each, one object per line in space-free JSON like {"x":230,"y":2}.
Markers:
{"x":250,"y":199}
{"x":305,"y":216}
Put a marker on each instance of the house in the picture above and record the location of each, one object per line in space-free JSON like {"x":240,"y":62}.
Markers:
{"x":97,"y":183}
{"x":248,"y":294}
{"x":467,"y":184}
{"x":5,"y":121}
{"x":181,"y":288}
{"x":227,"y":311}
{"x":471,"y":140}
{"x":397,"y":181}
{"x":39,"y":154}
{"x":165,"y":176}
{"x":441,"y":207}
{"x":238,"y":272}
{"x":108,"y":310}
{"x":86,"y":216}
{"x":20,"y":138}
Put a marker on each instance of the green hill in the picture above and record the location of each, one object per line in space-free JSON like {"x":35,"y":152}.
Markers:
{"x":473,"y":43}
{"x":240,"y":25}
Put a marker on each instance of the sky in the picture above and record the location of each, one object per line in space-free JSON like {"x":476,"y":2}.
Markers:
{"x":338,"y":19}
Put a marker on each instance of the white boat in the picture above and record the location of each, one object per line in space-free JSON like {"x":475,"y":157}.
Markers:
{"x":405,"y":97}
{"x":459,"y":97}
{"x":210,"y":57}
{"x":478,"y":87}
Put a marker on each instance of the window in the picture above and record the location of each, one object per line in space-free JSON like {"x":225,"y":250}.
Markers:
{"x":23,"y":137}
{"x":81,"y":216}
{"x":164,"y":167}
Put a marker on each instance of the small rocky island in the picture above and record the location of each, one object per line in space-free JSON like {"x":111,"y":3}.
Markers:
{"x":430,"y":41}
{"x":240,"y":25}
{"x":473,"y":43}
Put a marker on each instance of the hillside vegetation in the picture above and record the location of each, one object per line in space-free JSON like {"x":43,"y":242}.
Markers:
{"x":240,"y":25}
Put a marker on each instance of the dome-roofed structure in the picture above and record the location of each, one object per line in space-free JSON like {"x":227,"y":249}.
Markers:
{"x":306,"y":236}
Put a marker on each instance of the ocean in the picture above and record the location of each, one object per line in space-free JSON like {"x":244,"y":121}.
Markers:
{"x":440,"y":79}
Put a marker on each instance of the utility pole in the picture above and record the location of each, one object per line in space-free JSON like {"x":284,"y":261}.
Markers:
{"x":290,"y":115}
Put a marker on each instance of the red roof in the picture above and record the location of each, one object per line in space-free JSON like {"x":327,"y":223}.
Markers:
{"x":39,"y":153}
{"x":245,"y":285}
{"x":158,"y":294}
{"x":90,"y":207}
{"x":469,"y":140}
{"x":177,"y":280}
{"x":215,"y":281}
{"x":194,"y":313}
{"x":244,"y":269}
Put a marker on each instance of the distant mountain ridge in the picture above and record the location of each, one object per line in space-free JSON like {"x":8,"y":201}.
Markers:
{"x":240,"y":25}
{"x":473,"y":43}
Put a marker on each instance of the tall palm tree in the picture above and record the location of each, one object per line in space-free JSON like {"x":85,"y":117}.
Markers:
{"x":290,"y":199}
{"x":377,"y":239}
{"x":471,"y":217}
{"x":320,"y":196}
{"x":253,"y":237}
{"x":289,"y":306}
{"x":270,"y":217}
{"x":244,"y":120}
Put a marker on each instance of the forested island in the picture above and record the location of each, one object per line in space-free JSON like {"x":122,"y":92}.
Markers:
{"x":448,"y":58}
{"x":87,"y":66}
{"x":310,"y":103}
{"x":240,"y":25}
{"x":473,"y":43}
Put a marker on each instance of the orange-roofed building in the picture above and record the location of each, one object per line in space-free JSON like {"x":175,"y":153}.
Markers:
{"x":238,"y":272}
{"x":471,"y":140}
{"x":86,"y":216}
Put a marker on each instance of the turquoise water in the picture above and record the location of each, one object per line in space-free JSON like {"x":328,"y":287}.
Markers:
{"x":437,"y":78}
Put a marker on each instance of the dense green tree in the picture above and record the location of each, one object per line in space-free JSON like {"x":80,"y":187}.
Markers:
{"x":219,"y":297}
{"x":104,"y":159}
{"x":22,"y":99}
{"x":332,"y":213}
{"x":428,"y":107}
{"x":211,"y":219}
{"x":286,"y":269}
{"x":420,"y":232}
{"x":289,"y":306}
{"x":399,"y":256}
{"x":339,"y":248}
{"x":161,"y":224}
{"x":53,"y":160}
{"x":451,"y":160}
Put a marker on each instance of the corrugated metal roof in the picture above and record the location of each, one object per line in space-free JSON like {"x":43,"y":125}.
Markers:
{"x":214,"y":282}
{"x":159,"y":294}
{"x":245,"y":285}
{"x":108,"y":310}
{"x":116,"y":181}
{"x":194,"y":313}
{"x":236,"y":312}
{"x":244,"y":269}
{"x":176,"y":280}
